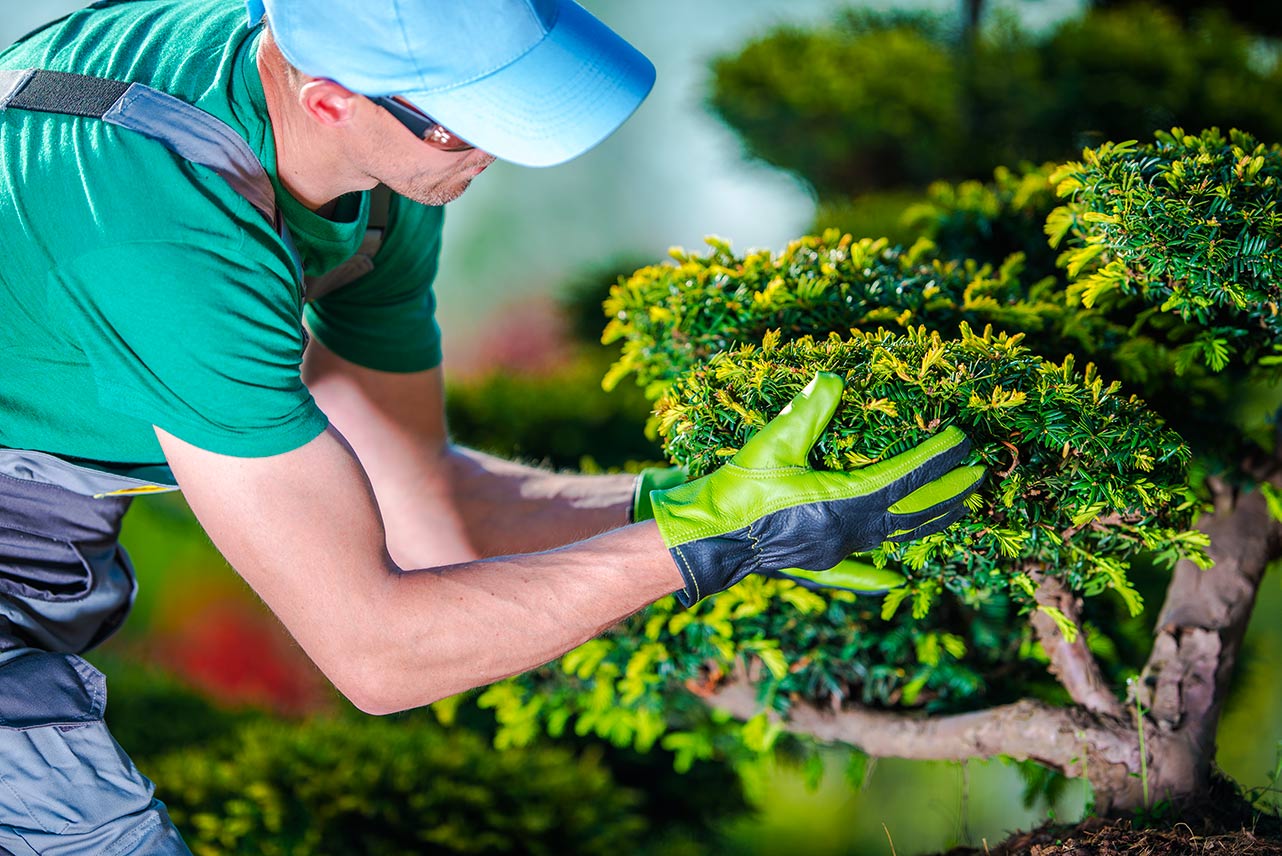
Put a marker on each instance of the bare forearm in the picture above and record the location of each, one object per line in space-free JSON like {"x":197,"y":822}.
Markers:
{"x":445,"y":630}
{"x":443,"y":504}
{"x":509,"y":508}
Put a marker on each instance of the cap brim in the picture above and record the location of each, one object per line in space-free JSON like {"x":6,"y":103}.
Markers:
{"x":558,"y":100}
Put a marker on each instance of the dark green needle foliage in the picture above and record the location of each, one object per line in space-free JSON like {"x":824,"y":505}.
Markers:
{"x":1188,"y":227}
{"x":1081,"y":479}
{"x":671,"y":316}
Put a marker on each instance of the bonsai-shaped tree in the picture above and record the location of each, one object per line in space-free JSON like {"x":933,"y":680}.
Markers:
{"x":1012,"y":633}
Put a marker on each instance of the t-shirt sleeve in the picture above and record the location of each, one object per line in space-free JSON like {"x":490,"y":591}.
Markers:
{"x":206,"y":344}
{"x":386,"y":319}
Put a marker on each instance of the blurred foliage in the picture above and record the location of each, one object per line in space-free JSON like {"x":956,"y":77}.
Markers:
{"x":152,"y":712}
{"x":378,"y":787}
{"x":881,"y":214}
{"x":870,"y":102}
{"x":874,"y":101}
{"x":561,"y":418}
{"x":1257,"y":16}
{"x":193,"y":747}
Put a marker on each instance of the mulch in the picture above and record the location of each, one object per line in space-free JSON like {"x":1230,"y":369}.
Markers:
{"x":1102,"y":837}
{"x":1221,"y":821}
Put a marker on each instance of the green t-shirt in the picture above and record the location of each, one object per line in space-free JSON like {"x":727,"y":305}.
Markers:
{"x":137,"y":288}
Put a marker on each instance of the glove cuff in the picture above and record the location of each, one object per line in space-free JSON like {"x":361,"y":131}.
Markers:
{"x":652,"y":478}
{"x":712,"y":565}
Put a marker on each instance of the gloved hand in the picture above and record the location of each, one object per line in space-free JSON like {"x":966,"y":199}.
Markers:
{"x":767,"y":510}
{"x":653,"y":478}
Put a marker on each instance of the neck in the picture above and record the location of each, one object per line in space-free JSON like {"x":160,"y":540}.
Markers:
{"x":309,"y":162}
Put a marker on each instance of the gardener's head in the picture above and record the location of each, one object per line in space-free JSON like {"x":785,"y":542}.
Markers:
{"x":534,"y":82}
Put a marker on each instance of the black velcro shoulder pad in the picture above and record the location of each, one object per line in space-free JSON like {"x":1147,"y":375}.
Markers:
{"x":69,"y":94}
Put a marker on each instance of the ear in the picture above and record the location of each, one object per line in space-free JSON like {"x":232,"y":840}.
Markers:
{"x":327,"y":102}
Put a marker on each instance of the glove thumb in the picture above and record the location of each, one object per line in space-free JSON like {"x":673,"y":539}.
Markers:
{"x":786,"y":440}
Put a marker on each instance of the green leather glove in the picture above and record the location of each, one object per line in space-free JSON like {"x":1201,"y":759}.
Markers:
{"x":653,"y":478}
{"x":767,"y":510}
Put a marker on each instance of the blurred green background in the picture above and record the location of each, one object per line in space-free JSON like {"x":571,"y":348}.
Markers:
{"x":240,"y":731}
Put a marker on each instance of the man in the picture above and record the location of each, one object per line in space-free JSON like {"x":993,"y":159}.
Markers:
{"x":185,"y":197}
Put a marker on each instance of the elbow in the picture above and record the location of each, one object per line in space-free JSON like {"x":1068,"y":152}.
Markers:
{"x":371,"y":701}
{"x":378,"y":698}
{"x":378,"y":685}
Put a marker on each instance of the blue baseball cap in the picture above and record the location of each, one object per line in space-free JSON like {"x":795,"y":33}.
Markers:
{"x":534,"y":82}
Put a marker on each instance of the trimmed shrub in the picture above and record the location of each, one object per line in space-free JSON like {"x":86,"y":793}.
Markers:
{"x":1081,"y":478}
{"x":1188,"y":227}
{"x":672,"y":316}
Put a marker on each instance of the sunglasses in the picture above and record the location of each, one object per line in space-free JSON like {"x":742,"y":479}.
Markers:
{"x":423,"y":126}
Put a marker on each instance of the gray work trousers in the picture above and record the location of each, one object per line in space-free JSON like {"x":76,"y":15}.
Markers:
{"x":66,"y":786}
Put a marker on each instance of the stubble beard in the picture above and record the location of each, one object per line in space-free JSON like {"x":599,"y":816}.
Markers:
{"x":434,"y":189}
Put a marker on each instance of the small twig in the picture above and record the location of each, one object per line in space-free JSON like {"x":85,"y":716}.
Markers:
{"x":891,"y":840}
{"x":1014,"y":459}
{"x":1139,"y":724}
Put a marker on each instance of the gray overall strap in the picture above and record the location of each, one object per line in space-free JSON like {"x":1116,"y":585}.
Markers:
{"x":186,"y":130}
{"x":194,"y":135}
{"x":380,"y":203}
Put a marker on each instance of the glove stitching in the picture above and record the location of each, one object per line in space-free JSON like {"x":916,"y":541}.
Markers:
{"x":756,"y":547}
{"x":688,"y":572}
{"x":765,"y":470}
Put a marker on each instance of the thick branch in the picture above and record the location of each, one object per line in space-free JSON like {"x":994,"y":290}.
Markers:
{"x":1201,"y":627}
{"x":1065,"y":739}
{"x":1071,"y":662}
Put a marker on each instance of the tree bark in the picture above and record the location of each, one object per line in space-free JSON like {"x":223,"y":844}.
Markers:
{"x":1072,"y":662}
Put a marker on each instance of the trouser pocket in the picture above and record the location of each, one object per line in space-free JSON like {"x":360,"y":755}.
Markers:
{"x":42,"y":568}
{"x":60,"y":595}
{"x":65,"y":784}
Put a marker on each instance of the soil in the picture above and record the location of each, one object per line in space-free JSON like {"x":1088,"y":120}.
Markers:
{"x":1221,"y":823}
{"x":1100,"y":837}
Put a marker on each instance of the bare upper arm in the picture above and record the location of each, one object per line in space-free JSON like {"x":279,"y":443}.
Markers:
{"x":304,"y":531}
